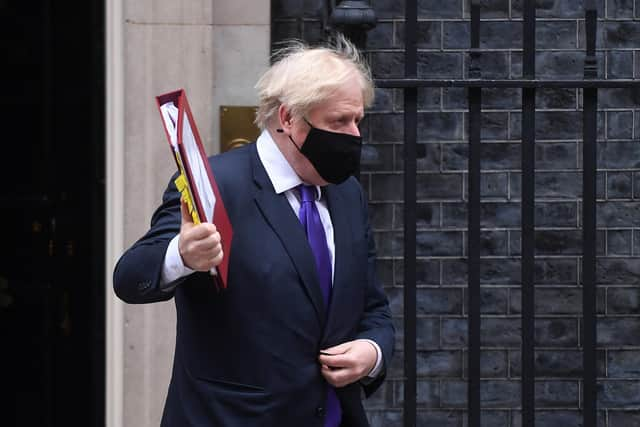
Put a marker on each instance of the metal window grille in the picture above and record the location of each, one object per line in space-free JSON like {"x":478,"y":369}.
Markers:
{"x":528,"y":84}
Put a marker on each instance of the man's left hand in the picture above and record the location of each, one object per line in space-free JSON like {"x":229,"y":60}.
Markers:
{"x":348,"y":362}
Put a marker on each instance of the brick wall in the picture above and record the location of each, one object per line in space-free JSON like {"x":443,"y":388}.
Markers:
{"x":441,"y":188}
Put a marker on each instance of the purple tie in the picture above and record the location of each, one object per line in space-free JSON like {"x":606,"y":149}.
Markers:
{"x":310,"y":219}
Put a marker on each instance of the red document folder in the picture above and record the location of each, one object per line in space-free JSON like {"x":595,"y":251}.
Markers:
{"x":195,"y":181}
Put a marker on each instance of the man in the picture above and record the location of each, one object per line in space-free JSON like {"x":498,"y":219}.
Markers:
{"x":304,"y":324}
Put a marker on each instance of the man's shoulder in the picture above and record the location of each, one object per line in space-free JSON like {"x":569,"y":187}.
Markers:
{"x":243,"y":151}
{"x":351,"y":187}
{"x":233,"y":161}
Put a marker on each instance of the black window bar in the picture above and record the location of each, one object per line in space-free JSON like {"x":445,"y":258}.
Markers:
{"x":590,"y":85}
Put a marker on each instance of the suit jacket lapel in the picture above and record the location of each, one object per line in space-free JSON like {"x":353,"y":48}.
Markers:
{"x":343,"y":242}
{"x":278,"y":213}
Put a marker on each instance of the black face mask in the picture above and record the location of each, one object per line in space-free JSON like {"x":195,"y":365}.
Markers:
{"x":336,"y":156}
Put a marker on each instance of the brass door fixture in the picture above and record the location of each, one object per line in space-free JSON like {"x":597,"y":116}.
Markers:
{"x":237,"y":127}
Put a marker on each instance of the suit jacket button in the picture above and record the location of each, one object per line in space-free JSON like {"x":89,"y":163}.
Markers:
{"x":319,"y":412}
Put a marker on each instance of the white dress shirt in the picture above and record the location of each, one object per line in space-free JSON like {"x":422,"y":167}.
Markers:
{"x":284,"y":180}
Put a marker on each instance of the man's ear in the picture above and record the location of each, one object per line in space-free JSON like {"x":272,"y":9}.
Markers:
{"x":284,"y":120}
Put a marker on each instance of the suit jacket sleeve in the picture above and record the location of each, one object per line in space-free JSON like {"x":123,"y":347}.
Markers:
{"x":376,"y":323}
{"x":136,"y":277}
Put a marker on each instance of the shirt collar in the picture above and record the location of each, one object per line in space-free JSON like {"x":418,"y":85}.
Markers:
{"x":280,"y":173}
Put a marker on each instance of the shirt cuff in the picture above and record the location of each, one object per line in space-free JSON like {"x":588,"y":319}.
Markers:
{"x":173,"y":267}
{"x":377,"y":368}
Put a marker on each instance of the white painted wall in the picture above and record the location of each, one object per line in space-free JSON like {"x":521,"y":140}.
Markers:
{"x":215,"y":50}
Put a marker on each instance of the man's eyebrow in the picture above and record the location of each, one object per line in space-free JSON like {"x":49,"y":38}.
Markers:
{"x":340,"y":114}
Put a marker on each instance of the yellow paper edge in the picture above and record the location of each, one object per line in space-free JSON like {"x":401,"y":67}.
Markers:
{"x":182,"y":184}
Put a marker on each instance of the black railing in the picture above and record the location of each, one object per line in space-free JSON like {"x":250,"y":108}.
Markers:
{"x":410,"y":206}
{"x":529,"y":84}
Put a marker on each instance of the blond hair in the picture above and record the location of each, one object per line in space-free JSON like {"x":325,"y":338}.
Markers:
{"x":302,"y":76}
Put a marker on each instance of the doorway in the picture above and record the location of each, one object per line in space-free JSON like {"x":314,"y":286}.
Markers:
{"x":52,"y":193}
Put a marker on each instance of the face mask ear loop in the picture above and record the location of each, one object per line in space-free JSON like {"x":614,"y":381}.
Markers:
{"x":307,"y":122}
{"x":294,"y":143}
{"x":291,"y":139}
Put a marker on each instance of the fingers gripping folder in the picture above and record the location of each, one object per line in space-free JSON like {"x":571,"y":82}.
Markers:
{"x":195,"y":180}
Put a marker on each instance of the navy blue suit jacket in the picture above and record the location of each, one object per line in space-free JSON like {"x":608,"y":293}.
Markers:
{"x":247,"y":356}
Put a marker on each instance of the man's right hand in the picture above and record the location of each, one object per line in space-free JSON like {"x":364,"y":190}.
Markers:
{"x":199,"y":245}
